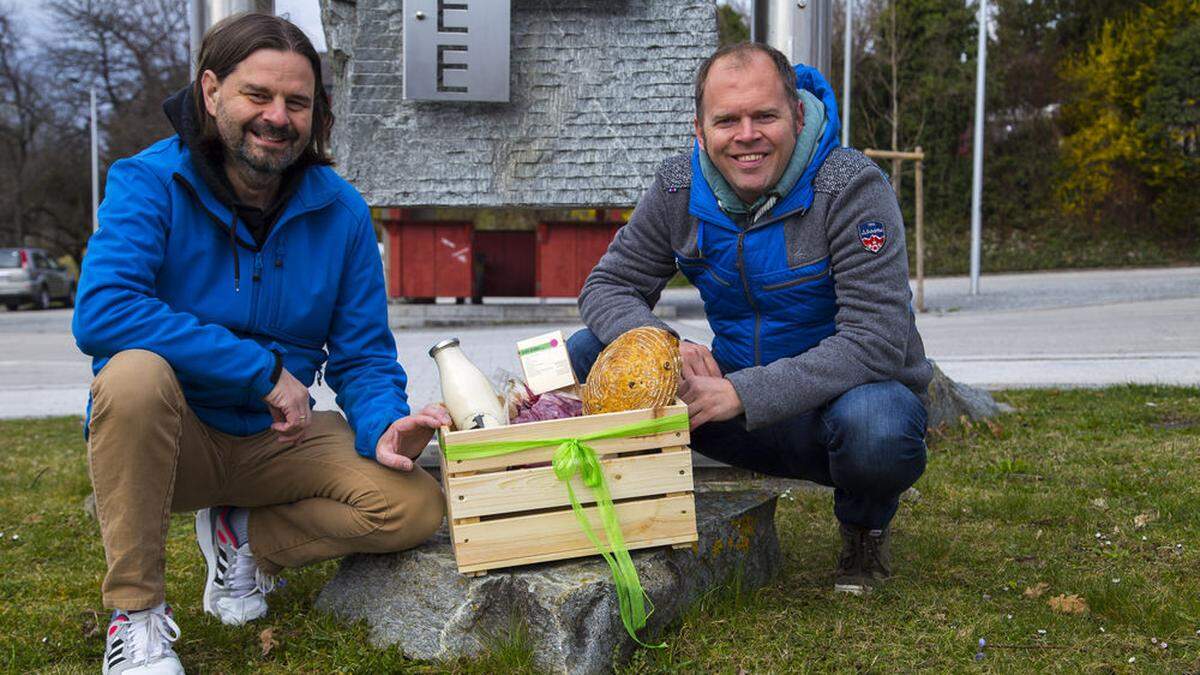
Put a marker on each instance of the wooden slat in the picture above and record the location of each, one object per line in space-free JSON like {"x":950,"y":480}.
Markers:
{"x":564,"y":428}
{"x":523,"y":540}
{"x":893,"y":154}
{"x":609,"y":446}
{"x":538,"y":488}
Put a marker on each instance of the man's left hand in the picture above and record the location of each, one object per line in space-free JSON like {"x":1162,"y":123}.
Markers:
{"x":402,"y":443}
{"x":710,"y":399}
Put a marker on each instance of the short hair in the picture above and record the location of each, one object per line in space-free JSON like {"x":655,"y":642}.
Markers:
{"x":231,"y":41}
{"x":742,"y":52}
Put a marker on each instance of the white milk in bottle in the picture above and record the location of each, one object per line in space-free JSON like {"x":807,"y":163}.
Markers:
{"x":469,"y":397}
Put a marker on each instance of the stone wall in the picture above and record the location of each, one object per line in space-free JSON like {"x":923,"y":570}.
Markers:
{"x":601,"y":91}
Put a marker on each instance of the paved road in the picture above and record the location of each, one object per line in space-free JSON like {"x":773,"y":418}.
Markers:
{"x":1053,"y":329}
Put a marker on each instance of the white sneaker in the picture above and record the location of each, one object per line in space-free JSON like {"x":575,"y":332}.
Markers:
{"x":139,"y":643}
{"x":235,"y":591}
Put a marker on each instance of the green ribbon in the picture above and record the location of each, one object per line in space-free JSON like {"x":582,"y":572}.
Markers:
{"x":573,"y":456}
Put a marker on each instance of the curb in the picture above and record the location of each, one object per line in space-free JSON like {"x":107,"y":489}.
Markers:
{"x":404,"y":315}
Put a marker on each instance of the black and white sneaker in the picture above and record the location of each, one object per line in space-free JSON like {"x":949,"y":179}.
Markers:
{"x":139,"y":643}
{"x":235,"y":590}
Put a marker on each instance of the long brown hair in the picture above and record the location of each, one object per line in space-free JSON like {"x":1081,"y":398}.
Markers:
{"x":230,"y":41}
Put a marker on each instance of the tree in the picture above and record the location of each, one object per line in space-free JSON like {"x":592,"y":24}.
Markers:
{"x":22,"y":113}
{"x":135,"y":53}
{"x":1130,"y":151}
{"x":913,"y":87}
{"x":732,"y":26}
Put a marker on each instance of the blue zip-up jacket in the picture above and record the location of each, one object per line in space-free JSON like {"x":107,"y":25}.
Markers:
{"x":159,"y":275}
{"x":761,"y":307}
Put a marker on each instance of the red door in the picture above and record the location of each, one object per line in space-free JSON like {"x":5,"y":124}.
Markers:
{"x":430,"y":259}
{"x":566,"y":254}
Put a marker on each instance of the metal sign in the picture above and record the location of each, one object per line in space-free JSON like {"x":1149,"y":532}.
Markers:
{"x":456,"y":50}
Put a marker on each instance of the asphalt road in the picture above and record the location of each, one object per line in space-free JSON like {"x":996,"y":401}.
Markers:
{"x":1075,"y":329}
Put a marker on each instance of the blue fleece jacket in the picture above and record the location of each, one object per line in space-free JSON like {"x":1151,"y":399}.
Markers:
{"x":165,"y":274}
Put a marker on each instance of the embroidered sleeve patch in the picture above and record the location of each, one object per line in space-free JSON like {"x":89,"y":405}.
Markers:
{"x":872,"y":235}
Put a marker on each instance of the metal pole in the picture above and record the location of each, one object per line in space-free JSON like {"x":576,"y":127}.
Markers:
{"x":977,"y":173}
{"x":196,"y":28}
{"x":95,"y":164}
{"x":846,"y":66}
{"x":801,"y":29}
{"x":202,"y":14}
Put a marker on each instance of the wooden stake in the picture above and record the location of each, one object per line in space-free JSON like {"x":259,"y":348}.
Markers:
{"x":920,"y":197}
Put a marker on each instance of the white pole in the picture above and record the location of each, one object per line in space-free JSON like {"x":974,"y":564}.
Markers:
{"x":846,"y":65}
{"x":977,"y":173}
{"x":196,"y":26}
{"x":95,"y":164}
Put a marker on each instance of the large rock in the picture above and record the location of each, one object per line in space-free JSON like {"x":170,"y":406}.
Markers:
{"x":418,"y":601}
{"x":950,"y":401}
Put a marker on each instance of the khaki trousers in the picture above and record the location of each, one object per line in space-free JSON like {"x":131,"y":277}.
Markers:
{"x":150,"y":455}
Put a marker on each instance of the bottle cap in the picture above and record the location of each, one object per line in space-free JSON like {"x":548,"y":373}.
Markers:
{"x":448,"y":342}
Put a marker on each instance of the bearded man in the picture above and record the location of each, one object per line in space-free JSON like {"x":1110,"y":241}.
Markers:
{"x":230,"y":265}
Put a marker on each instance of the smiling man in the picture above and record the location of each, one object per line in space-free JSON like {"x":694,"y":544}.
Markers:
{"x":816,"y":368}
{"x":230,"y":265}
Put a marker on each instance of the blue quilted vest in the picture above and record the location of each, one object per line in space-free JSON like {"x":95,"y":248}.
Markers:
{"x":760,"y":308}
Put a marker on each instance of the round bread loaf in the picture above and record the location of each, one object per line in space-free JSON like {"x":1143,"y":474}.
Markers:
{"x":640,"y":369}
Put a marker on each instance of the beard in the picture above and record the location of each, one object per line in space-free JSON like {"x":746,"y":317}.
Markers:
{"x":256,"y":158}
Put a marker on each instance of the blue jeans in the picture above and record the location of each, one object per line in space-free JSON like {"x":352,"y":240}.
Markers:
{"x":868,"y":443}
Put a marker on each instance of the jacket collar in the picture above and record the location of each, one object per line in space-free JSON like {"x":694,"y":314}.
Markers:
{"x":313,"y":191}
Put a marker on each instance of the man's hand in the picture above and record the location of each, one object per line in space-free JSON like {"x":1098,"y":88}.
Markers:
{"x":709,"y":399}
{"x":407,"y":437}
{"x":288,"y":403}
{"x":698,"y":360}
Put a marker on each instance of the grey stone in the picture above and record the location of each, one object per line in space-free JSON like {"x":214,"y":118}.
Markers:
{"x":600,"y":93}
{"x":89,"y":505}
{"x":717,"y":477}
{"x":418,"y":601}
{"x":949,"y":401}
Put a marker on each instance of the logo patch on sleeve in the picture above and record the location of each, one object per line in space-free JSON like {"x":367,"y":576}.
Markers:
{"x":872,"y":235}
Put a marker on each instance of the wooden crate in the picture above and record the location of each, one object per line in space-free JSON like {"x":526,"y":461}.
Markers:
{"x":505,"y":512}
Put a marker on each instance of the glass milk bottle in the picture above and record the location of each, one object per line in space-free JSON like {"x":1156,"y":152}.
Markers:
{"x":469,"y":397}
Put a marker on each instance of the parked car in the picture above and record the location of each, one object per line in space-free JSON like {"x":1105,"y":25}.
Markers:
{"x":30,"y":275}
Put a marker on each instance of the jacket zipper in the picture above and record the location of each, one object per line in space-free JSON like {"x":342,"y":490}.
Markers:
{"x":746,"y":283}
{"x":199,"y":202}
{"x":257,"y":278}
{"x":749,"y":298}
{"x":797,"y":282}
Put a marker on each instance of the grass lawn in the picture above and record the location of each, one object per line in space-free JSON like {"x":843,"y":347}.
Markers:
{"x":1094,"y":494}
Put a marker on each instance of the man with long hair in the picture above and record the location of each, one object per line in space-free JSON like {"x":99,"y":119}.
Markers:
{"x":231,"y":262}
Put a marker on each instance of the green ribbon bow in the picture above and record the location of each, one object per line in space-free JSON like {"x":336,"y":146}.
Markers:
{"x":574,"y":456}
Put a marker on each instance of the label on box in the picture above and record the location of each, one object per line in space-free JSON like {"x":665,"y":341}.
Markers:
{"x":545,"y":362}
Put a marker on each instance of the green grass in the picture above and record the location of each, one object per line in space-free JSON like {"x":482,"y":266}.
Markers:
{"x":1001,"y":510}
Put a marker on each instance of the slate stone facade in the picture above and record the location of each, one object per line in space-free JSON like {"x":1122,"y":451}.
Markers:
{"x":601,"y":92}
